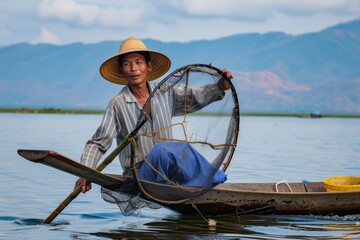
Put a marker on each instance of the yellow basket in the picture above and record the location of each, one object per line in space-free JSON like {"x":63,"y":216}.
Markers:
{"x":342,"y":183}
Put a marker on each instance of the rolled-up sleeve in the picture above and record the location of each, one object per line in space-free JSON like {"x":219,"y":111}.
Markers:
{"x":197,"y":97}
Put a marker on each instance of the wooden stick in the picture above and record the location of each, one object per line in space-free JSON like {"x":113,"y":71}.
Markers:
{"x":63,"y":205}
{"x":101,"y":167}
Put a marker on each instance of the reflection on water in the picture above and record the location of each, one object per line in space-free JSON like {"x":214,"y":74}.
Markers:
{"x":254,"y":227}
{"x":270,"y":149}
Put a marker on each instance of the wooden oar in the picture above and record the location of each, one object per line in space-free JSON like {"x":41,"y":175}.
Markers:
{"x":101,"y":167}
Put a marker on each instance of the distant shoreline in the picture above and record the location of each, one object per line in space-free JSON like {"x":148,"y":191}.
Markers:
{"x":50,"y":111}
{"x":94,"y":111}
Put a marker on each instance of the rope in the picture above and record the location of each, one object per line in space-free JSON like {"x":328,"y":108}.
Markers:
{"x":283,"y":181}
{"x":211,"y":222}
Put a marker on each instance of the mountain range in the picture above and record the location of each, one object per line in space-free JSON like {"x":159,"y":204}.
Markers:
{"x":274,"y":72}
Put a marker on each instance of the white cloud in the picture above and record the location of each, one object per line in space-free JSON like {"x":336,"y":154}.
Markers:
{"x":310,"y":7}
{"x":166,"y":20}
{"x":73,"y":13}
{"x":68,"y":10}
{"x":124,"y":17}
{"x":48,"y":37}
{"x":260,"y":10}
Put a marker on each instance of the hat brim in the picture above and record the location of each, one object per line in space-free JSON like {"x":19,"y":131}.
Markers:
{"x":110,"y":69}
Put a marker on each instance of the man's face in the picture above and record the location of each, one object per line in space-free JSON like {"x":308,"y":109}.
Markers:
{"x":135,"y":68}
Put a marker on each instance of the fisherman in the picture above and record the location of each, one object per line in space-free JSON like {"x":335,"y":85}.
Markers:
{"x":134,"y":66}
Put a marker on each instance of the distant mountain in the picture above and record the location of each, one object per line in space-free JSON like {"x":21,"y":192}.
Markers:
{"x":274,"y":72}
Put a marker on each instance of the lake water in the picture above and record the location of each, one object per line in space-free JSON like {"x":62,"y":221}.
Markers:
{"x":270,"y":149}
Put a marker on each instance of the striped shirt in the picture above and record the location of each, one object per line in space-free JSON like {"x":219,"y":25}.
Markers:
{"x":123,"y":111}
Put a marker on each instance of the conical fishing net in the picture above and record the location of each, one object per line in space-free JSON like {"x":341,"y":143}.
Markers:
{"x":187,"y":140}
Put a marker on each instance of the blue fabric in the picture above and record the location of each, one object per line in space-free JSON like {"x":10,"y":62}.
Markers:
{"x":181,"y":163}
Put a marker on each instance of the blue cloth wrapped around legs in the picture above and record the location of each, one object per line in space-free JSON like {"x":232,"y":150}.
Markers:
{"x":180,"y":163}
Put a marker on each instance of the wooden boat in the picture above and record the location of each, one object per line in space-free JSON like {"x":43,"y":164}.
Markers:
{"x":246,"y":198}
{"x":227,"y":198}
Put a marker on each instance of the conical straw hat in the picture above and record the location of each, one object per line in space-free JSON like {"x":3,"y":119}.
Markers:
{"x":110,"y":69}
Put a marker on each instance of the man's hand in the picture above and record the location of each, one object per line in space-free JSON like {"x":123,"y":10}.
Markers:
{"x":86,"y":185}
{"x":224,"y":84}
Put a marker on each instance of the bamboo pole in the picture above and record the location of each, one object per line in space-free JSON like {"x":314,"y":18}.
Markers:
{"x":100,"y":167}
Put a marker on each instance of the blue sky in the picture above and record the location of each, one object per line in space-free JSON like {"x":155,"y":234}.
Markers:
{"x":91,"y":21}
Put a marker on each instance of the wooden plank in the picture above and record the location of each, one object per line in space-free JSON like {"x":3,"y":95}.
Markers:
{"x":60,"y":162}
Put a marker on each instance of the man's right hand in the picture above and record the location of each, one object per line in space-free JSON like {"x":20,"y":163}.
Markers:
{"x":86,"y":185}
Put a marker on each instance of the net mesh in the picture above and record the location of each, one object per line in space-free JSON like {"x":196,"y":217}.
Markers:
{"x":192,"y":124}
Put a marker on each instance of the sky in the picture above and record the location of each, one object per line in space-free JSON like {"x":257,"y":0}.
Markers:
{"x":91,"y":21}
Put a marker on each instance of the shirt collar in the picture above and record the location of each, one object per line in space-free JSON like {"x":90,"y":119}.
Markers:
{"x":129,"y":97}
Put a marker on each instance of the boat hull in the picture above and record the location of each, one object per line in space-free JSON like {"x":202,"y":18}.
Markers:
{"x":225,"y":202}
